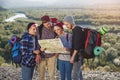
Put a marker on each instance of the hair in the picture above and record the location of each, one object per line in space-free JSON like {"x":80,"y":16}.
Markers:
{"x":29,"y":25}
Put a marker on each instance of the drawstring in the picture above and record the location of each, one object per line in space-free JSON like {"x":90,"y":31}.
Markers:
{"x":67,"y":36}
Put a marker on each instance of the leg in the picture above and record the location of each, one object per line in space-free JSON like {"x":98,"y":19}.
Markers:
{"x":27,"y":73}
{"x":42,"y":66}
{"x":62,"y":69}
{"x":77,"y":71}
{"x":68,"y":69}
{"x":51,"y":67}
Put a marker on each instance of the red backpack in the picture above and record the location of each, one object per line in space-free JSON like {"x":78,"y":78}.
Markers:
{"x":92,"y":40}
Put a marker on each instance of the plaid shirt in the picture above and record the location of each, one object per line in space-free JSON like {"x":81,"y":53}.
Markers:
{"x":47,"y":34}
{"x":27,"y":47}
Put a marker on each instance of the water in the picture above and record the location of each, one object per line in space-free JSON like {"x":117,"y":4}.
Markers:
{"x":17,"y":15}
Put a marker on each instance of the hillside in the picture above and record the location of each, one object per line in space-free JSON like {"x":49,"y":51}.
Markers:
{"x":89,"y":16}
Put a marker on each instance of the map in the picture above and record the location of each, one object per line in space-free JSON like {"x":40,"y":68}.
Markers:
{"x":52,"y":45}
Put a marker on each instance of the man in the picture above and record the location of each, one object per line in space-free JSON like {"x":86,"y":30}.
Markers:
{"x":30,"y":51}
{"x":77,"y":44}
{"x":45,"y":31}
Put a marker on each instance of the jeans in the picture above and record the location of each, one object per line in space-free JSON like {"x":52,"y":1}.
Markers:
{"x":27,"y":73}
{"x":65,"y":68}
{"x":77,"y":71}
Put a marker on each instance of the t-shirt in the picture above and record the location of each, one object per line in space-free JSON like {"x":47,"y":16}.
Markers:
{"x":78,"y":38}
{"x":67,"y":43}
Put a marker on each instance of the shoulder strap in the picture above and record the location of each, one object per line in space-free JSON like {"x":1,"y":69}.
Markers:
{"x":40,"y":30}
{"x":67,"y":35}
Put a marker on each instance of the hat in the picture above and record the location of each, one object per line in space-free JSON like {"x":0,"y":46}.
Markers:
{"x":59,"y":24}
{"x":45,"y":19}
{"x":69,"y":19}
{"x":54,"y":20}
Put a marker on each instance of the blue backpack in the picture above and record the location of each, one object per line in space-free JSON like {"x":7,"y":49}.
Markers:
{"x":15,"y":49}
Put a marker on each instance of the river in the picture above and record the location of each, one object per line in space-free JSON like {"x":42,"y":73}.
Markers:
{"x":17,"y":15}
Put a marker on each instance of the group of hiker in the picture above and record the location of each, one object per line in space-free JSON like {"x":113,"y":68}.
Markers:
{"x":34,"y":54}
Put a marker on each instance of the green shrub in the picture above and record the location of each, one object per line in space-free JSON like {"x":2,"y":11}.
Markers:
{"x":106,"y":46}
{"x":2,"y":60}
{"x":111,"y":53}
{"x":116,"y":61}
{"x":117,"y":46}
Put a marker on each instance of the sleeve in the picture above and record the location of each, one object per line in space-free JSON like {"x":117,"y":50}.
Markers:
{"x":37,"y":44}
{"x":77,"y":38}
{"x":24,"y":46}
{"x":37,"y":33}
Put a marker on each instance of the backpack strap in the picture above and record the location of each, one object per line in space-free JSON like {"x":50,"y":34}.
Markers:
{"x":40,"y":30}
{"x":87,"y":38}
{"x":98,"y":43}
{"x":67,"y":35}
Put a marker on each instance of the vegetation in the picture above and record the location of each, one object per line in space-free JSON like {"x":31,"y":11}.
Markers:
{"x":109,"y":60}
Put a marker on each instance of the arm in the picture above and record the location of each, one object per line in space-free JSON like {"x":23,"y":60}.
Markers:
{"x":77,"y":42}
{"x":73,"y":56}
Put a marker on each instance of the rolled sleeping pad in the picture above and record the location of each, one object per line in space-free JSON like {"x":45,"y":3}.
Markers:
{"x":103,"y":30}
{"x":97,"y":50}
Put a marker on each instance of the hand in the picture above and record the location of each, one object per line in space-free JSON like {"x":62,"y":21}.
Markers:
{"x":42,"y":49}
{"x":38,"y":58}
{"x":36,"y":52}
{"x":72,"y":60}
{"x":64,"y":49}
{"x":56,"y":55}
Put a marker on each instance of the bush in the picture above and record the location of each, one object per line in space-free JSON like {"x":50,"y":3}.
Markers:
{"x":112,"y":41}
{"x":106,"y":68}
{"x":116,"y":61}
{"x":109,"y":37}
{"x":106,"y":46}
{"x":111,"y":53}
{"x":117,"y":46}
{"x":1,"y":60}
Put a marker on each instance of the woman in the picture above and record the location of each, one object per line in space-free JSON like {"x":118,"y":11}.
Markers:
{"x":64,"y":64}
{"x":30,"y":51}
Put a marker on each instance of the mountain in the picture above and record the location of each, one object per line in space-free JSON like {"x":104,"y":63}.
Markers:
{"x":2,"y":9}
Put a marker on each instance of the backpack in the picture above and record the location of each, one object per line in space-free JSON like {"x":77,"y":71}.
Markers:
{"x":15,"y":49}
{"x":92,"y":40}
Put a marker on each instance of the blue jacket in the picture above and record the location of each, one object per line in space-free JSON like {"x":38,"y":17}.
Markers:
{"x":26,"y":48}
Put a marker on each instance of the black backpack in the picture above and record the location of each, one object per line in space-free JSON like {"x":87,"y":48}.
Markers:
{"x":92,"y":40}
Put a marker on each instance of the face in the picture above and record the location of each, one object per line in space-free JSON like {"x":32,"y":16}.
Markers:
{"x":68,"y":25}
{"x":32,"y":30}
{"x":47,"y":24}
{"x":58,"y":30}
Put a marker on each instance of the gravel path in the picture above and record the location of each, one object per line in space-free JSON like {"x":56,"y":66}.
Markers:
{"x":13,"y":73}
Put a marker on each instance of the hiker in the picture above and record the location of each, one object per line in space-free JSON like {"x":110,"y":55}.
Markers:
{"x":77,"y":44}
{"x":64,"y":65}
{"x":45,"y":31}
{"x":30,"y":52}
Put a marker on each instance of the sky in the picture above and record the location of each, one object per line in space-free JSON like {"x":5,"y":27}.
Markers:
{"x":49,"y":3}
